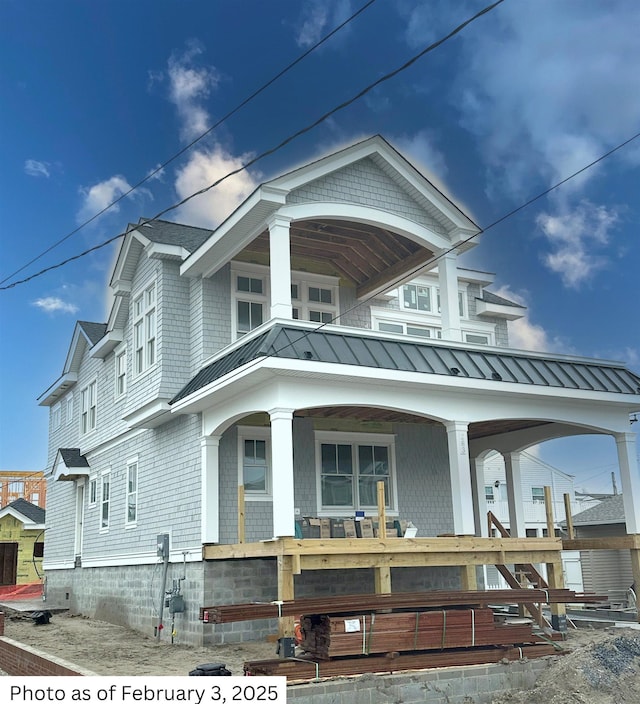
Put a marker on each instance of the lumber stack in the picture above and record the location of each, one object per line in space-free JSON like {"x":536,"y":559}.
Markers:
{"x":306,"y":668}
{"x":327,"y":636}
{"x":355,"y":603}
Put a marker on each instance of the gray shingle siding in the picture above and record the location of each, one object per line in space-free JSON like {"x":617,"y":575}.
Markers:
{"x":364,"y":183}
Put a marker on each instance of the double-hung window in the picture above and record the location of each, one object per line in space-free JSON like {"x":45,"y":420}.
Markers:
{"x":250,"y":295}
{"x":69,"y":407}
{"x":56,"y":416}
{"x":144,"y":329}
{"x":315,"y":300}
{"x":89,"y":406}
{"x":537,"y":494}
{"x":121,"y":373}
{"x":254,"y":461}
{"x":105,"y":499}
{"x":132,"y":492}
{"x":349,"y":468}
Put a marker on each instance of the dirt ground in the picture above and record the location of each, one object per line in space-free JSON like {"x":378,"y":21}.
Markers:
{"x":601,"y":667}
{"x":107,"y":649}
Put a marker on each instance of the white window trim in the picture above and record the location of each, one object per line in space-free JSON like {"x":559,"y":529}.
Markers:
{"x":90,"y":428}
{"x":56,"y":416}
{"x":106,"y":475}
{"x":253,"y":271}
{"x":304,"y":281}
{"x":120,"y":352}
{"x":388,"y":440}
{"x":426,"y":320}
{"x":93,"y":481}
{"x":143,"y":318}
{"x":133,"y":462}
{"x":69,"y":407}
{"x":254,"y":433}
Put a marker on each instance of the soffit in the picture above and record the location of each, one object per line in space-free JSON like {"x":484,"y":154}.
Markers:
{"x":356,"y":251}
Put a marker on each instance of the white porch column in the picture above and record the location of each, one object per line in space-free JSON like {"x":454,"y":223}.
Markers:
{"x":630,"y":476}
{"x":479,"y":497}
{"x":514,"y":494}
{"x":459,"y":470}
{"x":209,"y":489}
{"x":449,"y":310}
{"x":282,"y":471}
{"x":280,"y":267}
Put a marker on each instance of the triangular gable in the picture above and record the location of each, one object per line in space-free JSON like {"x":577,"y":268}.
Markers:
{"x":85,"y":336}
{"x":30,"y":515}
{"x":358,"y":158}
{"x":412,"y":205}
{"x":70,"y":465}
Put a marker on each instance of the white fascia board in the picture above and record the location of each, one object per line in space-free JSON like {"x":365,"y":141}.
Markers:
{"x":258,"y":371}
{"x":58,"y":565}
{"x":26,"y":522}
{"x":473,"y":276}
{"x":108,"y":343}
{"x":123,"y":255}
{"x":57,"y":389}
{"x":497,"y":310}
{"x":243,"y":225}
{"x":157,"y":250}
{"x":151,"y":415}
{"x":193,"y":554}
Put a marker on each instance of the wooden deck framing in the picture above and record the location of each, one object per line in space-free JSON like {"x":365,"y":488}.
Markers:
{"x":381,"y":554}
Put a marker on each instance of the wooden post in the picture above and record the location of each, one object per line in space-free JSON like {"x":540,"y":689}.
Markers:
{"x":635,"y":570}
{"x":241,"y":533}
{"x":468,"y":578}
{"x":548,"y":507}
{"x":568,"y":516}
{"x":382,"y":511}
{"x":286,"y":592}
{"x":382,"y":575}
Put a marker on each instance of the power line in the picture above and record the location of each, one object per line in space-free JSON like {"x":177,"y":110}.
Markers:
{"x":282,"y":144}
{"x":159,"y":168}
{"x":415,"y":270}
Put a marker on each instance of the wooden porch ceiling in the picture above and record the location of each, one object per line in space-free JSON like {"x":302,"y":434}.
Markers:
{"x":382,"y":415}
{"x":361,"y":253}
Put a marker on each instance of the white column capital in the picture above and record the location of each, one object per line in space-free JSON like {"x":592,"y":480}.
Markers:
{"x":210,"y":441}
{"x":278,"y":220}
{"x":281,"y":413}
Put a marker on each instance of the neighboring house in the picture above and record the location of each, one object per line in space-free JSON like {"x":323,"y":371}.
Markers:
{"x":605,"y":572}
{"x":21,"y":543}
{"x":321,"y":339}
{"x":31,"y":486}
{"x":535,"y":475}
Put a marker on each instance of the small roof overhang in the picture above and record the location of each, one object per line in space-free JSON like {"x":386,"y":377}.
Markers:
{"x":70,"y":465}
{"x":25,"y":520}
{"x":151,"y":415}
{"x":58,"y":389}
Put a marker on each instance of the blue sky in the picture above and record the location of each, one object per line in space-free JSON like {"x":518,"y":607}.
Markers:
{"x":96,"y":95}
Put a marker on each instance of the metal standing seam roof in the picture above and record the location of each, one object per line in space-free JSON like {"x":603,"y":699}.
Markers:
{"x":288,"y":342}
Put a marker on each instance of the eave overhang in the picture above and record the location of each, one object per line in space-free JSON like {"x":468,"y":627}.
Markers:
{"x":58,"y":389}
{"x":151,"y":415}
{"x":334,"y":354}
{"x":496,"y":310}
{"x":108,"y":343}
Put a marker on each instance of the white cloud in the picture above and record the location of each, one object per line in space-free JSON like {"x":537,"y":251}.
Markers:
{"x":37,"y":168}
{"x":422,"y":151}
{"x":53,"y":304}
{"x":203,"y":169}
{"x":526,"y":335}
{"x":318,"y":18}
{"x":549,"y":85}
{"x":99,"y":196}
{"x":575,"y":235}
{"x":188,"y":86}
